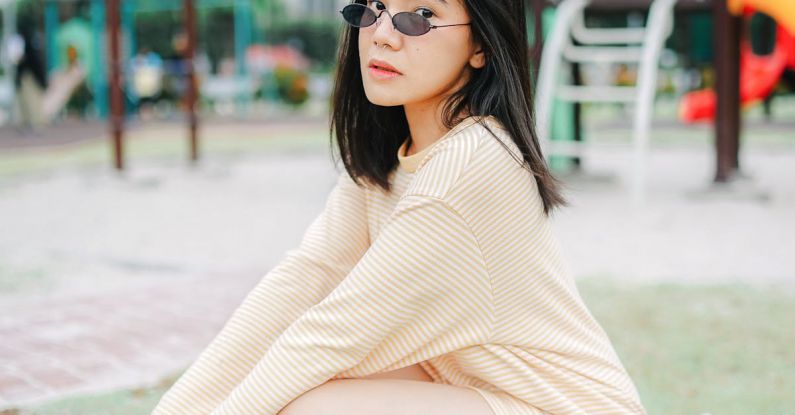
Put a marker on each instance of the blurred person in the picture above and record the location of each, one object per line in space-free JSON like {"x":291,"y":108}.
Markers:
{"x":431,"y":283}
{"x":178,"y":64}
{"x":30,"y":80}
{"x":147,"y":73}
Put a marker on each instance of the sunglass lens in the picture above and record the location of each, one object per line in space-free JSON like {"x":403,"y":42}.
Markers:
{"x":412,"y":24}
{"x":358,"y":15}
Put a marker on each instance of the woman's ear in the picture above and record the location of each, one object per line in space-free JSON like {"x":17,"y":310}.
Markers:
{"x":478,"y":59}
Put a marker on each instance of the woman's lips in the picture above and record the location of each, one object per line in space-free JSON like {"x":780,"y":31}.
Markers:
{"x":379,"y":73}
{"x":383,"y":65}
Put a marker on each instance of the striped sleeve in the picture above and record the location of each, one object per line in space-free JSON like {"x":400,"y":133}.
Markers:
{"x":420,"y":290}
{"x":332,"y":245}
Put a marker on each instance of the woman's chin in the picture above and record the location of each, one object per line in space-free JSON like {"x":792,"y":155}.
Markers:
{"x":383,"y":101}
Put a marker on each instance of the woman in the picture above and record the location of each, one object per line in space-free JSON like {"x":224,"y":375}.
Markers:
{"x":430,"y":283}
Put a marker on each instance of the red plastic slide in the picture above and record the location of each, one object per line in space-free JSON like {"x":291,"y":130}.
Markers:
{"x":758,"y":77}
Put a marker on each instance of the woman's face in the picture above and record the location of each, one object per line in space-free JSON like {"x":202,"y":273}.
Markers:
{"x":431,"y":66}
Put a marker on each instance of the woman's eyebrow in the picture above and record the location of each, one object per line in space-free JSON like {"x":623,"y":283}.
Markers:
{"x":444,"y":3}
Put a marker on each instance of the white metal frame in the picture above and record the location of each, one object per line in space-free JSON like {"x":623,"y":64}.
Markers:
{"x":642,"y":45}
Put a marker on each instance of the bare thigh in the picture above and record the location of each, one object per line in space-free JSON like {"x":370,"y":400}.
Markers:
{"x":413,"y":372}
{"x":387,"y":397}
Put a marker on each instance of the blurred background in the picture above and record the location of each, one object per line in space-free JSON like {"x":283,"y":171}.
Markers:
{"x":157,"y":158}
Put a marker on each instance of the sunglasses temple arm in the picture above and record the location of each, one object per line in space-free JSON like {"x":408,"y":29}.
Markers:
{"x":448,"y":25}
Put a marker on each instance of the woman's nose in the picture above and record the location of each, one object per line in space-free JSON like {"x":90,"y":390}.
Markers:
{"x":385,"y":32}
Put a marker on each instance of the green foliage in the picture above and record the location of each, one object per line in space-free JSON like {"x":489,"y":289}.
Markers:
{"x":30,"y":14}
{"x":156,"y":30}
{"x":268,"y":11}
{"x":292,"y":84}
{"x":317,"y":39}
{"x":220,"y":21}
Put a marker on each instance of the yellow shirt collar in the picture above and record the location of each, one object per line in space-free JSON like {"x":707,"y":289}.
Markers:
{"x":412,"y":162}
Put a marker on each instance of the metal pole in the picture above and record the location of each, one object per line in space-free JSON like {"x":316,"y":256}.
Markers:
{"x":242,"y":19}
{"x":190,"y":52}
{"x":51,"y":23}
{"x":116,"y":99}
{"x":97,"y":76}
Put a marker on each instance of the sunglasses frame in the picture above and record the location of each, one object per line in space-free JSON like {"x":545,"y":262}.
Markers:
{"x":392,"y":18}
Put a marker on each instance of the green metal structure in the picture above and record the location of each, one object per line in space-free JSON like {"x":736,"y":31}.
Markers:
{"x":59,"y":33}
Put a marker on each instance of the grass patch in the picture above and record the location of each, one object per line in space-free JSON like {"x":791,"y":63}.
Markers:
{"x":702,"y":349}
{"x":127,"y":402}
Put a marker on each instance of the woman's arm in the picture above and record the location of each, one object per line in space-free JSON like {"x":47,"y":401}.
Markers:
{"x":420,"y":290}
{"x":330,"y":248}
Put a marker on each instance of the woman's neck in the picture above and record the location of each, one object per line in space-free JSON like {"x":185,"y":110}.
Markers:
{"x":425,"y":126}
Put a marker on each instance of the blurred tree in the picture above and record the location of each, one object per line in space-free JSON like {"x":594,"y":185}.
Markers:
{"x":267,"y":12}
{"x":292,"y":86}
{"x":155,"y":30}
{"x":31,"y":12}
{"x":218,"y":47}
{"x":317,"y":39}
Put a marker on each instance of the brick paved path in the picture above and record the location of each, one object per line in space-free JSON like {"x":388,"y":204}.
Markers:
{"x":110,"y":283}
{"x":127,"y":337}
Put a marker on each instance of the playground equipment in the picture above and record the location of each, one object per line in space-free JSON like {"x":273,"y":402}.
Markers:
{"x":781,"y":10}
{"x":75,"y":61}
{"x":92,"y":53}
{"x":758,"y":74}
{"x":62,"y":84}
{"x":643,"y":45}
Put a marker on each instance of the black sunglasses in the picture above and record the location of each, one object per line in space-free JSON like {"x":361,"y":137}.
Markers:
{"x":411,"y":24}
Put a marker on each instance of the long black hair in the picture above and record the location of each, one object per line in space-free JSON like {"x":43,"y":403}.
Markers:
{"x":368,"y":135}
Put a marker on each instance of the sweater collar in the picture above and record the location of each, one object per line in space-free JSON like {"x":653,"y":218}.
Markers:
{"x":412,"y":162}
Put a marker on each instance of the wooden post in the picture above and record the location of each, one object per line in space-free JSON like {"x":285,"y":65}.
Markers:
{"x":537,"y":7}
{"x":116,"y":98}
{"x":727,"y":81}
{"x":190,"y":53}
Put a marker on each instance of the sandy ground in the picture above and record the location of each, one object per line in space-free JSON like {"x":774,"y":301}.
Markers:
{"x":86,"y":228}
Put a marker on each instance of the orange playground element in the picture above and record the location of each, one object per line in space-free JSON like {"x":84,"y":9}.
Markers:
{"x":758,"y":74}
{"x":781,"y":10}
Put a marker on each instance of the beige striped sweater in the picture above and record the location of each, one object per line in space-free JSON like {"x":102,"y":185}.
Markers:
{"x":455,"y":269}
